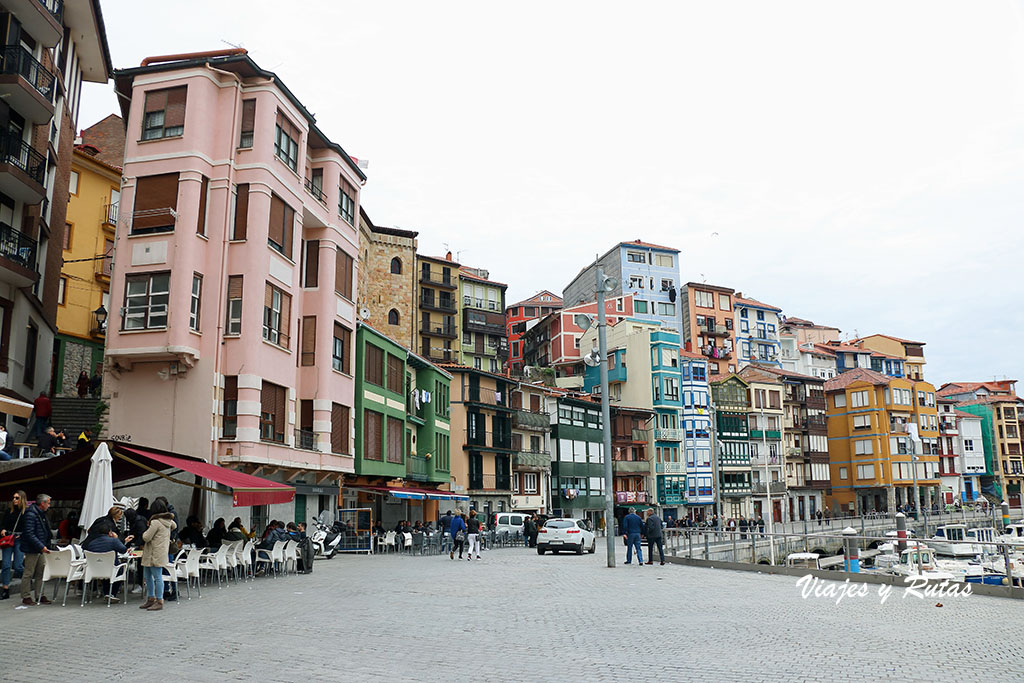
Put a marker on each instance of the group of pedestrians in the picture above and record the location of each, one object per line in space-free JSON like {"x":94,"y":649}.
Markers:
{"x":635,"y":528}
{"x":463,"y":533}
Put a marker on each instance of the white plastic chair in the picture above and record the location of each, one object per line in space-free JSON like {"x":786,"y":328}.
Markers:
{"x":104,"y":566}
{"x":61,"y":564}
{"x":271,"y":557}
{"x":245,"y":554}
{"x":291,"y":556}
{"x":215,"y":562}
{"x":389,"y":540}
{"x":407,"y":542}
{"x":231,"y":558}
{"x":187,"y":568}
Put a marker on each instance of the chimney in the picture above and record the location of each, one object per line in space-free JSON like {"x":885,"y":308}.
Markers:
{"x":448,"y":256}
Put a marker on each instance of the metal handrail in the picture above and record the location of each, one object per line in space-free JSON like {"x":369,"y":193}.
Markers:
{"x":55,"y":8}
{"x":17,"y":246}
{"x":317,"y":192}
{"x":14,"y":59}
{"x":17,"y":152}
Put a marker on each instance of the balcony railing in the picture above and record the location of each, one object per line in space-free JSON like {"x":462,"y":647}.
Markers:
{"x":489,"y":482}
{"x":110,"y":214}
{"x":535,"y":459}
{"x":713,"y":330}
{"x":17,"y":247}
{"x":488,"y":396}
{"x":428,"y":278}
{"x":18,"y":60}
{"x":438,"y":330}
{"x":318,"y":193}
{"x":758,"y":460}
{"x":55,"y":8}
{"x":417,"y":467}
{"x":448,"y":306}
{"x":716,"y":352}
{"x":488,"y":440}
{"x":670,"y":467}
{"x":305,"y":439}
{"x":668,"y":434}
{"x":524,"y":419}
{"x":17,"y":152}
{"x":759,"y":488}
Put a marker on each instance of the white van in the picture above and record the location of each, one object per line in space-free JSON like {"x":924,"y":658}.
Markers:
{"x":511,"y":522}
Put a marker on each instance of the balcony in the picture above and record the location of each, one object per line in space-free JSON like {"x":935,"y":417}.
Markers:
{"x":710,"y":330}
{"x":758,"y":461}
{"x":489,"y":482}
{"x":482,"y":304}
{"x":488,"y":440}
{"x":417,"y":468}
{"x":668,"y":434}
{"x":489,"y":397}
{"x":26,"y":84}
{"x":22,"y":170}
{"x":110,"y":214}
{"x":537,"y":422}
{"x":622,"y":497}
{"x":532,"y":459}
{"x":481,"y":321}
{"x":41,"y":19}
{"x":618,"y":373}
{"x":631,"y":466}
{"x":305,"y":439}
{"x":733,"y":460}
{"x":793,"y":451}
{"x":765,"y":434}
{"x":716,"y":352}
{"x":17,"y":257}
{"x":432,"y":280}
{"x":442,"y":305}
{"x":435,"y":330}
{"x":730,"y":488}
{"x":759,"y":489}
{"x":640,"y":435}
{"x":315,"y":191}
{"x":670,"y":467}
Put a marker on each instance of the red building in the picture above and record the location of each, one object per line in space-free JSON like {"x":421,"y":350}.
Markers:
{"x":517,"y":318}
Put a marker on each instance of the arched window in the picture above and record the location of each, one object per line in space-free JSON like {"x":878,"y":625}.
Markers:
{"x":393,"y":317}
{"x":396,"y":266}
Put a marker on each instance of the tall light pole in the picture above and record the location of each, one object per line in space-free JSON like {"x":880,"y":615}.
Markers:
{"x":606,"y":285}
{"x":768,"y":484}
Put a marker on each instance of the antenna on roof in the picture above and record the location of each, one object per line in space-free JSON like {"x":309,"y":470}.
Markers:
{"x":240,"y":46}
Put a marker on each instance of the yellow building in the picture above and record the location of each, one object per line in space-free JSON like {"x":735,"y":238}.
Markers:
{"x":873,"y":420}
{"x":83,"y":295}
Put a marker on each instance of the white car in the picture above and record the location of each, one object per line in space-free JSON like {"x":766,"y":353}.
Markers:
{"x":562,"y":533}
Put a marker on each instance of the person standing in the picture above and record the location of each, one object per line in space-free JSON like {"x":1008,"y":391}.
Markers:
{"x":83,"y":384}
{"x":12,"y":525}
{"x":95,"y":385}
{"x":473,"y":535}
{"x":655,"y":536}
{"x":155,"y":555}
{"x":445,"y":525}
{"x":457,"y":530}
{"x":35,"y":543}
{"x":632,"y":529}
{"x":43,"y":410}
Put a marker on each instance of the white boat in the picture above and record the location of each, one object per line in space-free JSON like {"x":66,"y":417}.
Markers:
{"x":962,"y":570}
{"x":951,"y":540}
{"x":1013,"y":534}
{"x":920,"y":562}
{"x":984,"y":538}
{"x":808,"y":560}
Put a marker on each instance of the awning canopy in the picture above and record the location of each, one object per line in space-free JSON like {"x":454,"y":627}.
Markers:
{"x":64,"y":477}
{"x":12,"y":406}
{"x":412,"y":494}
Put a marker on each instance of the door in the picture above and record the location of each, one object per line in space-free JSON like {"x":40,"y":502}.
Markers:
{"x":300,"y":508}
{"x":777,"y":511}
{"x":803,"y":511}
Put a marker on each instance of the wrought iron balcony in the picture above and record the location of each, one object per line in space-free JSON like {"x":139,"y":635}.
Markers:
{"x":668,"y":434}
{"x":18,"y":60}
{"x":305,"y":439}
{"x":18,"y":247}
{"x":318,"y":193}
{"x":20,"y":154}
{"x":110,"y":214}
{"x":759,"y":488}
{"x":444,"y":305}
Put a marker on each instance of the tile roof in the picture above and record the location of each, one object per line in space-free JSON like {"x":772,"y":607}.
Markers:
{"x":690,"y":354}
{"x":991,"y":399}
{"x":556,"y":300}
{"x":820,"y":349}
{"x":786,"y":373}
{"x":440,"y":259}
{"x":889,"y":336}
{"x":856,"y":375}
{"x":950,"y":388}
{"x":754,"y":303}
{"x":960,"y":413}
{"x":396,"y":232}
{"x":465,"y":273}
{"x":640,"y":243}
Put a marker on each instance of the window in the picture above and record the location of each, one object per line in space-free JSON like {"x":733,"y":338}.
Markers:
{"x":396,"y":374}
{"x":842,"y":473}
{"x":156,"y":204}
{"x":839,"y":400}
{"x":704,"y":299}
{"x":636,"y":282}
{"x":666,"y":284}
{"x":861,"y":421}
{"x":229,"y":421}
{"x":396,"y":428}
{"x":68,"y":229}
{"x":196,"y":301}
{"x":493,"y":364}
{"x":666,"y":309}
{"x":234,"y":307}
{"x":865,"y":471}
{"x":396,"y":266}
{"x":863,"y":447}
{"x":273,"y":412}
{"x":339,"y":428}
{"x":393,"y":317}
{"x":529,"y":482}
{"x":145,"y":301}
{"x":282,"y":221}
{"x":241,"y":216}
{"x":164,"y":114}
{"x":277,"y":311}
{"x":286,"y":142}
{"x":671,"y":389}
{"x":374,"y":359}
{"x":723,"y":302}
{"x":73,"y":183}
{"x":663,"y":260}
{"x":248,"y":123}
{"x":307,"y":344}
{"x":858,"y":399}
{"x":639,"y":306}
{"x":62,"y":291}
{"x":968,"y":445}
{"x":347,"y":202}
{"x":477,"y":363}
{"x":636,"y":257}
{"x":343,"y":275}
{"x":340,"y":353}
{"x":311,"y":265}
{"x":373,"y":435}
{"x":204,"y":192}
{"x":31,"y":344}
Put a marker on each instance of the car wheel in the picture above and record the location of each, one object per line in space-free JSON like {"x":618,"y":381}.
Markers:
{"x":579,"y":549}
{"x":540,"y":551}
{"x":593,"y":546}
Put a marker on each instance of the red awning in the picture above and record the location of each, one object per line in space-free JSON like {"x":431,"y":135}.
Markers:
{"x":246,"y":489}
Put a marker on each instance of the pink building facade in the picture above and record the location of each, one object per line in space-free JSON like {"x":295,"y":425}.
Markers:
{"x":232,"y":317}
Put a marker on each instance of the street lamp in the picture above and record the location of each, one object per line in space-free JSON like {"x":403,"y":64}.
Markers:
{"x":101,"y":318}
{"x":768,"y":487}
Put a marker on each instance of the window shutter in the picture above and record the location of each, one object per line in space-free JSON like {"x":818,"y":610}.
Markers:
{"x":287,"y":227}
{"x":248,"y":116}
{"x":268,"y":297}
{"x":308,"y":350}
{"x":156,"y":100}
{"x":339,"y":428}
{"x":280,"y":411}
{"x":343,"y":275}
{"x":276,"y":233}
{"x":535,"y":403}
{"x":155,"y":197}
{"x":231,"y":388}
{"x":204,"y":190}
{"x":267,"y":398}
{"x":174,"y":115}
{"x":311,"y":276}
{"x":306,"y":415}
{"x":241,"y":211}
{"x":286,"y":319}
{"x":235,"y":286}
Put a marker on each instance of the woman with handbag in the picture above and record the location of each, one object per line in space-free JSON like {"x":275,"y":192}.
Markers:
{"x":458,"y":535}
{"x":10,"y":530}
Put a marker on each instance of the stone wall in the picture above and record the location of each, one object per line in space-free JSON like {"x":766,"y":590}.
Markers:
{"x":77,"y":357}
{"x":381,"y":291}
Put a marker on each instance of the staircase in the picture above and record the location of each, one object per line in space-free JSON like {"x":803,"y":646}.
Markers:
{"x":72,"y":415}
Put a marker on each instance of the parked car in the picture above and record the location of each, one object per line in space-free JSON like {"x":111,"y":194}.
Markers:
{"x":510,"y":522}
{"x":561,"y":533}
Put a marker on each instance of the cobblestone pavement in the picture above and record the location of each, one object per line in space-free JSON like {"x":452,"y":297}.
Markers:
{"x":516,"y":616}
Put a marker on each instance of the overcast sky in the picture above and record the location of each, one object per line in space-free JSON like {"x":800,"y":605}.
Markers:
{"x":857,"y":164}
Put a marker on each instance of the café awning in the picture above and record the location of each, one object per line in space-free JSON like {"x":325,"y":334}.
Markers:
{"x":412,"y":494}
{"x":12,"y":406}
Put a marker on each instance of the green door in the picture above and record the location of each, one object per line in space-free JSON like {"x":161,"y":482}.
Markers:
{"x":300,"y":509}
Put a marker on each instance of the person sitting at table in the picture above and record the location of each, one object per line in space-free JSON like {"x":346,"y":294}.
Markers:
{"x":50,"y":441}
{"x":68,"y":529}
{"x":293,"y":533}
{"x":277,"y":533}
{"x":236,"y":525}
{"x":418,"y":526}
{"x":235,"y":532}
{"x":135,"y":525}
{"x":192,"y":534}
{"x":217,"y":534}
{"x":118,"y":523}
{"x":102,"y":538}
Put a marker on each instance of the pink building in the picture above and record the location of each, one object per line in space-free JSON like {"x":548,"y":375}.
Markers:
{"x":232,"y":314}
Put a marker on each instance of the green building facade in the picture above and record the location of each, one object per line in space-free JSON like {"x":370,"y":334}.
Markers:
{"x":577,"y":470}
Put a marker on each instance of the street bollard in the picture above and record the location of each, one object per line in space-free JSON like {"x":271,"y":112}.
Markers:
{"x":901,"y":532}
{"x":707,"y":554}
{"x":851,"y":555}
{"x":734,"y":555}
{"x":1006,"y":514}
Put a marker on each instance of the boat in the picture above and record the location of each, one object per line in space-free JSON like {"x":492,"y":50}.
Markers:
{"x":951,"y":540}
{"x":963,"y":571}
{"x":1013,"y":535}
{"x":984,"y":538}
{"x":806,"y":560}
{"x":920,"y":562}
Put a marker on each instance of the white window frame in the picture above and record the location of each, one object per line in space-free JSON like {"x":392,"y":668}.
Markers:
{"x":196,"y":302}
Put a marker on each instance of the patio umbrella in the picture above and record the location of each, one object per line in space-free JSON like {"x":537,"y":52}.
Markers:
{"x":99,"y":490}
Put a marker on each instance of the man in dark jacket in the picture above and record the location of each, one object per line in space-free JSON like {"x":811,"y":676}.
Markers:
{"x":35,"y":544}
{"x":444,"y":525}
{"x":632,"y":529}
{"x":652,"y":530}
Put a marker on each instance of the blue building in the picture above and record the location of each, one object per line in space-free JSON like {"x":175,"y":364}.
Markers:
{"x":757,"y":332}
{"x":647,"y":271}
{"x":697,"y":426}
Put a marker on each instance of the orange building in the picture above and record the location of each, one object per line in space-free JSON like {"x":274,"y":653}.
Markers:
{"x":708,"y":325}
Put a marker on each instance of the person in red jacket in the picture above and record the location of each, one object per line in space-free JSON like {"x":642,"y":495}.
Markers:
{"x":43,"y":411}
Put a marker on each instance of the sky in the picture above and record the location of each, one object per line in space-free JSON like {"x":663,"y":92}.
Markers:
{"x":856,"y":164}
